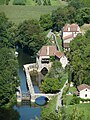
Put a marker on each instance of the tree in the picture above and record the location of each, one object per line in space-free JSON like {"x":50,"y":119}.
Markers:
{"x":8,"y":75}
{"x":83,"y":16}
{"x":79,"y":59}
{"x":45,"y":21}
{"x":30,"y":36}
{"x":53,"y":81}
{"x":61,"y":16}
{"x":7,"y":32}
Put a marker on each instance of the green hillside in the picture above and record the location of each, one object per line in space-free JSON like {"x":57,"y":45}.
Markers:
{"x":18,"y":14}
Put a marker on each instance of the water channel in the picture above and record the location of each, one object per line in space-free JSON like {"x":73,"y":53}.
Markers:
{"x":27,"y":111}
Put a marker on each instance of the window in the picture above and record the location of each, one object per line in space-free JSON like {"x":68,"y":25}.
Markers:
{"x":86,"y":89}
{"x":85,"y":95}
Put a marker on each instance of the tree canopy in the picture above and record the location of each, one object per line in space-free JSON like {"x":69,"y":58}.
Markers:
{"x":30,"y":36}
{"x":80,"y":59}
{"x":55,"y":79}
{"x":8,"y":63}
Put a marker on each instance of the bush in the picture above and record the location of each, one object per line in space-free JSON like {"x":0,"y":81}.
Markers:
{"x":19,"y":2}
{"x":75,"y":100}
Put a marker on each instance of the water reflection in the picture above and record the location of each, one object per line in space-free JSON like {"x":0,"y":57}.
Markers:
{"x":41,"y":100}
{"x":28,"y":113}
{"x":27,"y":110}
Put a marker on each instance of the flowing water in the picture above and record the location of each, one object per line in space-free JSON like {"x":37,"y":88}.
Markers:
{"x":27,"y":111}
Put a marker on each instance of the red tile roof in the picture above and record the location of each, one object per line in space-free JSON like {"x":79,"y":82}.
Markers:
{"x":59,"y":54}
{"x":83,"y":86}
{"x":68,"y":37}
{"x":71,"y":28}
{"x":66,"y":45}
{"x":47,"y":51}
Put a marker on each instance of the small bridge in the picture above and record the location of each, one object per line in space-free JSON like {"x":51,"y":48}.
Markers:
{"x":36,"y":95}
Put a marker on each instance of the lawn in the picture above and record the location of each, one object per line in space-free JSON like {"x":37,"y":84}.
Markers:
{"x":18,"y":13}
{"x":84,"y":107}
{"x":59,"y":41}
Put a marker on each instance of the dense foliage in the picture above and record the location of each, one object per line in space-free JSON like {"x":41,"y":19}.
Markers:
{"x":8,"y":62}
{"x":80,"y":59}
{"x":6,"y":2}
{"x":8,"y":114}
{"x":75,"y":12}
{"x":55,"y":79}
{"x":19,"y":2}
{"x":30,"y":36}
{"x":6,"y":32}
{"x":46,"y":22}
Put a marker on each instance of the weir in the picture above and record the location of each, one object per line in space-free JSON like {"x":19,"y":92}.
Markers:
{"x":32,"y":95}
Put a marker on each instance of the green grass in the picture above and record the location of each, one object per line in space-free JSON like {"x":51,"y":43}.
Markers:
{"x":50,"y":107}
{"x":84,"y":107}
{"x":18,"y":14}
{"x":59,"y":41}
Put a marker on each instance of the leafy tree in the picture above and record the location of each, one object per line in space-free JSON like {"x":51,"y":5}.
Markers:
{"x":8,"y":75}
{"x":61,"y":16}
{"x":83,"y":16}
{"x":7,"y":32}
{"x":79,"y":59}
{"x":45,"y":21}
{"x":30,"y":36}
{"x":77,"y":4}
{"x":53,"y":80}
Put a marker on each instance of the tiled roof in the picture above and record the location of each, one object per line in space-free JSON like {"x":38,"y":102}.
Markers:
{"x":66,"y":45}
{"x":83,"y":86}
{"x":47,"y":51}
{"x":71,"y":28}
{"x":59,"y":54}
{"x":68,"y":37}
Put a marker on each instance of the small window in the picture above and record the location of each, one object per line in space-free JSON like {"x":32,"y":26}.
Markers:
{"x":86,"y":89}
{"x":85,"y":95}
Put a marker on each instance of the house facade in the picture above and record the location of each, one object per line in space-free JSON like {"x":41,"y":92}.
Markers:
{"x":69,"y":32}
{"x":44,"y":54}
{"x":62,"y":58}
{"x":84,"y":91}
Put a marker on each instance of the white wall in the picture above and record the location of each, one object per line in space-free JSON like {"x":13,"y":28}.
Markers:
{"x":84,"y":92}
{"x":63,"y":61}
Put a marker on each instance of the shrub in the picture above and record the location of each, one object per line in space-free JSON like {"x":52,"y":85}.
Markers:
{"x":19,"y":2}
{"x":75,"y":100}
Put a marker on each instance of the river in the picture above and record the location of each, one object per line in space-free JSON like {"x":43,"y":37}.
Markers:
{"x":26,"y":111}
